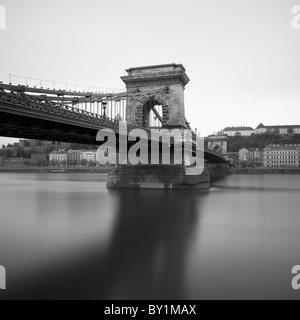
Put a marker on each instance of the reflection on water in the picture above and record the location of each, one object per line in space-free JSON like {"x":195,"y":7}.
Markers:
{"x":66,"y":236}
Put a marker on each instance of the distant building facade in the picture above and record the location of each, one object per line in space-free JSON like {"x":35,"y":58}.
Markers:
{"x":251,"y":155}
{"x":280,"y":129}
{"x":39,"y":157}
{"x":58,"y":156}
{"x":248,"y":131}
{"x":243,"y":131}
{"x":13,"y":162}
{"x":256,"y":155}
{"x":243,"y":155}
{"x":282,"y":156}
{"x":89,"y":156}
{"x":74,"y":155}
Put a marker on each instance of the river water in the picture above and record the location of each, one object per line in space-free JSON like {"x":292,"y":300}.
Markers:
{"x":65,"y":236}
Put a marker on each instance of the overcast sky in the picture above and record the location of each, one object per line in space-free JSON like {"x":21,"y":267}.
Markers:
{"x":242,"y":56}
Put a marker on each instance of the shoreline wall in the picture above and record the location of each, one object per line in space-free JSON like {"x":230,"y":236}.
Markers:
{"x":265,"y":170}
{"x":104,"y":170}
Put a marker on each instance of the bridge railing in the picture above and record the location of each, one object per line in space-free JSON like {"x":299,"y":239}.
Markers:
{"x":56,"y":85}
{"x":40,"y":104}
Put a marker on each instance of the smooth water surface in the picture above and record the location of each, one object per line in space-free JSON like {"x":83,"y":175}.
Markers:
{"x":67,"y":236}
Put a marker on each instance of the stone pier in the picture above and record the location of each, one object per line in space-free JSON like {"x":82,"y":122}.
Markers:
{"x":167,"y":177}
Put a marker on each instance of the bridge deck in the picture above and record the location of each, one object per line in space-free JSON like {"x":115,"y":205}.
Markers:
{"x":24,"y":115}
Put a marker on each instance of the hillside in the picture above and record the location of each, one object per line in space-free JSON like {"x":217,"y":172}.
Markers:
{"x":260,"y":141}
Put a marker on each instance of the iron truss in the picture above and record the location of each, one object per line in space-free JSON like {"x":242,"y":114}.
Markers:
{"x":76,"y":97}
{"x":18,"y":96}
{"x":66,"y":104}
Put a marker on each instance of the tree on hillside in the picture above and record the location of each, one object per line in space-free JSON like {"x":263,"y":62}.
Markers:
{"x":9,"y":154}
{"x":261,"y":141}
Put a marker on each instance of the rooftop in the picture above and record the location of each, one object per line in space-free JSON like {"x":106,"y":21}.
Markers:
{"x":156,"y":72}
{"x":284,"y":147}
{"x":170,"y":66}
{"x":261,"y":126}
{"x":59,"y":152}
{"x":238,"y":129}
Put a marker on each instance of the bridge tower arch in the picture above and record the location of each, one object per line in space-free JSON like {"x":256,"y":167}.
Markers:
{"x":168,"y":81}
{"x":152,"y":111}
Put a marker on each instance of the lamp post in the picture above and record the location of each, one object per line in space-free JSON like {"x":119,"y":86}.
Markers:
{"x":104,"y":106}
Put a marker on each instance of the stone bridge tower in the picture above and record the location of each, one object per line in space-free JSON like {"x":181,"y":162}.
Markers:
{"x":168,"y":82}
{"x":152,"y":89}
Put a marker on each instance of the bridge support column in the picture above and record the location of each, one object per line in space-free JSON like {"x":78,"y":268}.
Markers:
{"x":156,"y":177}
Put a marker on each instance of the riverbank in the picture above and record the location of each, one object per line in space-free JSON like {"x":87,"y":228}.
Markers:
{"x":265,"y":170}
{"x":56,"y":170}
{"x":105,"y":170}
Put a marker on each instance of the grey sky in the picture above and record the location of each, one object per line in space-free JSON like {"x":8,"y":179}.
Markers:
{"x":242,"y":56}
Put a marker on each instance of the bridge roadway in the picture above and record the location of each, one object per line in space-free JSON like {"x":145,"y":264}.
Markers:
{"x":30,"y":113}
